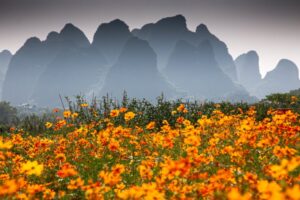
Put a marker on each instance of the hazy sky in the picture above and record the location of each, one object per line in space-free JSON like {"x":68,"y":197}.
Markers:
{"x":271,"y":27}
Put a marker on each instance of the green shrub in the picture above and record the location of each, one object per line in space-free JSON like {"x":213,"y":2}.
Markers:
{"x":8,"y":115}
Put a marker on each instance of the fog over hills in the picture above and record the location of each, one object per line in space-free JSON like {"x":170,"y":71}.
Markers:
{"x":162,"y":57}
{"x":248,"y":71}
{"x":5,"y":57}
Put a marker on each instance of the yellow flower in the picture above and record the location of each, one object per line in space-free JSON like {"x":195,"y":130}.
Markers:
{"x":145,"y":172}
{"x":131,"y":193}
{"x":294,"y":192}
{"x":129,"y":116}
{"x":32,"y":168}
{"x":74,"y":115}
{"x":5,"y":145}
{"x":48,"y":125}
{"x":84,"y":105}
{"x":269,"y":190}
{"x":234,"y":194}
{"x":67,"y":113}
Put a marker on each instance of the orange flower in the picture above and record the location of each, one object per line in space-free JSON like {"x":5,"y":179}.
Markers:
{"x":181,"y":108}
{"x":9,"y":187}
{"x":150,"y":126}
{"x":129,"y":116}
{"x":114,"y":113}
{"x":118,"y":169}
{"x":60,"y":157}
{"x":122,"y":110}
{"x":55,"y":110}
{"x":180,"y":120}
{"x":113,"y":145}
{"x":66,"y":170}
{"x":75,"y":184}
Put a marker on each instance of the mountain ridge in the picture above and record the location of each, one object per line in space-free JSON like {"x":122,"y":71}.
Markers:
{"x":166,"y":50}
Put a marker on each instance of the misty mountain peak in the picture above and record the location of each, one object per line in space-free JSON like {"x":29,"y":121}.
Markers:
{"x":285,"y":68}
{"x":250,"y":58}
{"x":136,"y":73}
{"x":285,"y":63}
{"x":202,"y":29}
{"x":248,"y":70}
{"x":73,"y":34}
{"x":282,"y":79}
{"x":110,"y":38}
{"x":118,"y":23}
{"x":33,"y":41}
{"x":52,"y":36}
{"x":138,"y":49}
{"x":252,"y":54}
{"x":6,"y":53}
{"x":116,"y":26}
{"x":69,"y":27}
{"x":177,"y":21}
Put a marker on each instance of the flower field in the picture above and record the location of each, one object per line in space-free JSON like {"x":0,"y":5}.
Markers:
{"x":217,"y":156}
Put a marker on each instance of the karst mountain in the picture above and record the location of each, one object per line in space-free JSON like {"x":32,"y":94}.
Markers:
{"x":164,"y":57}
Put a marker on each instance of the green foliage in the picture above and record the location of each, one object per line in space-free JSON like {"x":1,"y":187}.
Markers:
{"x":99,"y":109}
{"x":8,"y":115}
{"x":295,"y":92}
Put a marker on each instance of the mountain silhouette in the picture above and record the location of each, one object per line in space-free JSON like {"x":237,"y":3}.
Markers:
{"x":23,"y":71}
{"x":222,"y":56}
{"x":5,"y":57}
{"x":163,"y":35}
{"x":282,"y":79}
{"x":110,"y":39}
{"x":33,"y":58}
{"x":194,"y":69}
{"x":71,"y":73}
{"x":248,"y":71}
{"x":161,"y":57}
{"x":73,"y":35}
{"x":136,"y":73}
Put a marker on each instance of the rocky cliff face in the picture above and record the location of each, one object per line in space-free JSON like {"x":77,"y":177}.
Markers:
{"x":110,"y":39}
{"x":163,"y":57}
{"x":194,"y":69}
{"x":136,"y":73}
{"x":222,"y":56}
{"x":71,"y":73}
{"x":5,"y":57}
{"x":33,"y":59}
{"x":24,"y":69}
{"x":248,"y":71}
{"x":164,"y":35}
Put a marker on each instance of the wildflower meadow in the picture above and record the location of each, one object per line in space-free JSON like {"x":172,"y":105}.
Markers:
{"x":127,"y":153}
